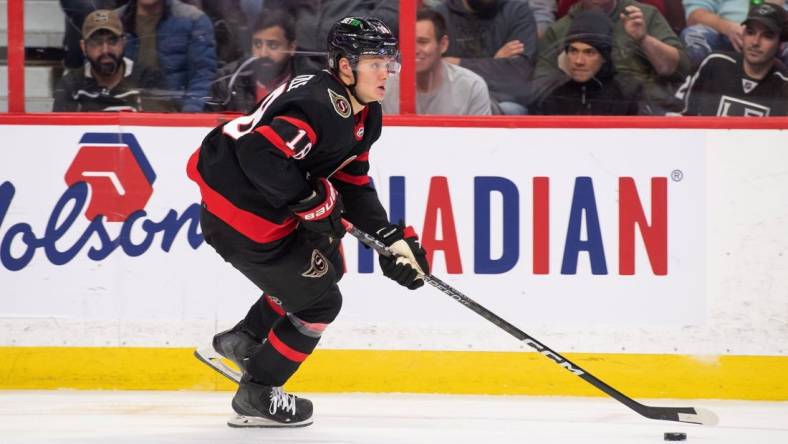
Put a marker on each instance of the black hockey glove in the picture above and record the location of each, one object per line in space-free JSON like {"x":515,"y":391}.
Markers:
{"x":410,"y":263}
{"x":321,"y":212}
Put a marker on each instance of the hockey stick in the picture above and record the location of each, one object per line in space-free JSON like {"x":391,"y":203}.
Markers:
{"x":680,"y":414}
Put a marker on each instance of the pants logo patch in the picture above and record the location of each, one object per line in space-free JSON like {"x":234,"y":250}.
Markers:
{"x":318,"y":266}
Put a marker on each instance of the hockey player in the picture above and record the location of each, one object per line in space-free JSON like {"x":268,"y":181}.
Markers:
{"x":753,"y":83}
{"x":275,"y":184}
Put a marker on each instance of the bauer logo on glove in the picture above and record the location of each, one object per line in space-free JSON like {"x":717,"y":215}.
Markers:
{"x":321,"y":212}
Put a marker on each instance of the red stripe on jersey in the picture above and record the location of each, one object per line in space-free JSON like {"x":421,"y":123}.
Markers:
{"x":354,"y":180}
{"x":298,"y":123}
{"x":269,"y":133}
{"x":274,"y":306}
{"x":284,"y":349}
{"x":249,"y":224}
{"x":363,"y":157}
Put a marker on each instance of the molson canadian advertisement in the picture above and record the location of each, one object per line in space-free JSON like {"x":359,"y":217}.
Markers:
{"x":548,"y":227}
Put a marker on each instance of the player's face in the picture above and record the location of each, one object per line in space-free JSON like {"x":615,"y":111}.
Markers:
{"x":428,"y":49}
{"x":373,"y":71}
{"x":584,"y":61}
{"x":271,"y":47}
{"x":760,"y":43}
{"x":104,"y":50}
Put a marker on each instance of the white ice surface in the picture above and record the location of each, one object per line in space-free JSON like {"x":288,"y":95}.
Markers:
{"x":87,"y":417}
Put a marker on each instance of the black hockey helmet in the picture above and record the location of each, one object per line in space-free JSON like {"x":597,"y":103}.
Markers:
{"x":353,"y":37}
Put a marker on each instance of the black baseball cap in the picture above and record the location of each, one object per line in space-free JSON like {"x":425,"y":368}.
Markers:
{"x":769,"y":15}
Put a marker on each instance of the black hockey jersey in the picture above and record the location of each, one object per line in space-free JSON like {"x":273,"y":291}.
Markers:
{"x":251,"y":168}
{"x":720,"y":87}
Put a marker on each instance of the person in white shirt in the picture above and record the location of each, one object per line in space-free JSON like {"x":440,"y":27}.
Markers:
{"x":441,"y":88}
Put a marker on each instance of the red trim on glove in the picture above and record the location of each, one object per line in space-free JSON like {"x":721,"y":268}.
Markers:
{"x":409,"y":233}
{"x":323,"y":209}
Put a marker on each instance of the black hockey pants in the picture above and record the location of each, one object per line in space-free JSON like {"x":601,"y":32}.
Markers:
{"x":298,"y":275}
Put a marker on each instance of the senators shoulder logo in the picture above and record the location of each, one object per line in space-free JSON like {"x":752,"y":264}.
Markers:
{"x":341,"y":104}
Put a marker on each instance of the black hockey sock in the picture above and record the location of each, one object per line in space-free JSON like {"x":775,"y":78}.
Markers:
{"x":292,"y":340}
{"x":262,"y":316}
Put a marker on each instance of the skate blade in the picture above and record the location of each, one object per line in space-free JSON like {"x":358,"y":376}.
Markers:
{"x":212,"y":359}
{"x":241,"y":421}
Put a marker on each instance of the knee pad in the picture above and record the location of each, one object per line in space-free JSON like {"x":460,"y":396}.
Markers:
{"x":313,"y":320}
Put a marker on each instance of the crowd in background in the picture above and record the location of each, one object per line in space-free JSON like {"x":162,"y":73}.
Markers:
{"x":473,"y":57}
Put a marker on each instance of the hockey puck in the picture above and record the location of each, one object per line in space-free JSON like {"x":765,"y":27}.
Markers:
{"x":675,"y":436}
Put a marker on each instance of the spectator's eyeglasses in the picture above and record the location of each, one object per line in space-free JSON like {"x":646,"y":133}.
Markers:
{"x":98,"y":41}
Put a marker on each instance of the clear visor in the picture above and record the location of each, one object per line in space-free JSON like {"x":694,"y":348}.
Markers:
{"x":376,"y":64}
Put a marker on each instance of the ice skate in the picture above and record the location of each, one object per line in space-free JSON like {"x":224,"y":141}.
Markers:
{"x":233,"y":345}
{"x":260,"y":405}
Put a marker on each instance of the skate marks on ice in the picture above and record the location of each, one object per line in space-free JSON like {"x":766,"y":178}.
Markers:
{"x":125,"y":417}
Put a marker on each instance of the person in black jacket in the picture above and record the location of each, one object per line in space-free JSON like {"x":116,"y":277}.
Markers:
{"x":586,"y":85}
{"x":275,"y":186}
{"x":241,"y":84}
{"x":753,"y":83}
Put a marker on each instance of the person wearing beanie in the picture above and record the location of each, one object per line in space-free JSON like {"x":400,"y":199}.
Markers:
{"x":647,"y":54}
{"x":586,"y":86}
{"x":753,"y":83}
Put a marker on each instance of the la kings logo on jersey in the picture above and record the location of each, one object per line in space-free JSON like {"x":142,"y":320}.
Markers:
{"x":341,"y":105}
{"x":748,"y":85}
{"x":731,"y":106}
{"x":318,"y":266}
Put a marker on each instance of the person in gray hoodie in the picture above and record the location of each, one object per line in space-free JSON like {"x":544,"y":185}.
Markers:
{"x":496,"y":39}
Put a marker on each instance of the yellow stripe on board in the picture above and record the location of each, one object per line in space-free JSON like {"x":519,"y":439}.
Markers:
{"x":519,"y":373}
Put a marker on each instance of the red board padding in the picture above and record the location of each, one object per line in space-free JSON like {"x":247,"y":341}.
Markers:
{"x":211,"y":120}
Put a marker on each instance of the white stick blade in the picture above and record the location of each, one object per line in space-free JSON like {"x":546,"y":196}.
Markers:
{"x":701,"y":416}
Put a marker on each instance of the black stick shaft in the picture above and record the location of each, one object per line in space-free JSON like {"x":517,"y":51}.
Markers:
{"x":665,"y":413}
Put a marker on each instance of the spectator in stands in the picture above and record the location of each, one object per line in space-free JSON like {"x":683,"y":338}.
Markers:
{"x":176,"y":39}
{"x":713,"y":25}
{"x":441,"y":88}
{"x":496,"y":39}
{"x":108,"y":81}
{"x":544,"y":14}
{"x":647,"y":55}
{"x":314,"y":18}
{"x":230,"y":28}
{"x":752,"y":83}
{"x":75,"y":12}
{"x":588,"y":87}
{"x":672,"y":10}
{"x":241,"y":84}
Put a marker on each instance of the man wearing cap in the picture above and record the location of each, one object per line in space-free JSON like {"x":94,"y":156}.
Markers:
{"x":108,"y":81}
{"x":748,"y":84}
{"x":587,"y":87}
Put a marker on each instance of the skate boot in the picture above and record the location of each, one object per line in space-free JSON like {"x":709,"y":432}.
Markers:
{"x":234,"y":345}
{"x":260,"y":405}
